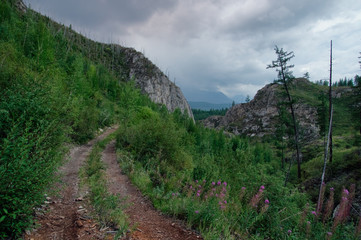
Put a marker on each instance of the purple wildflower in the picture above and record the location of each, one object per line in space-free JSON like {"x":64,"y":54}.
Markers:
{"x":196,"y":211}
{"x":266,"y":201}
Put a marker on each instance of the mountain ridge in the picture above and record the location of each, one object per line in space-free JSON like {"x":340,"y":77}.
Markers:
{"x":126,"y":63}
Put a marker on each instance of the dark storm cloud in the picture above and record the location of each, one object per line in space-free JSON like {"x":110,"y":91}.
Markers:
{"x":93,"y":13}
{"x":223,"y":45}
{"x":274,"y":16}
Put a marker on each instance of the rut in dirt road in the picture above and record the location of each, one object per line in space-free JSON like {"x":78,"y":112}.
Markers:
{"x":63,"y":220}
{"x":150,"y":224}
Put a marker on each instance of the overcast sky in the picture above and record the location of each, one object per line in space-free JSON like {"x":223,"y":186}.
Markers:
{"x":222,"y":45}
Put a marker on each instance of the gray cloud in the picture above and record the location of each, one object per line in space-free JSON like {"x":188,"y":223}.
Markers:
{"x":223,"y":45}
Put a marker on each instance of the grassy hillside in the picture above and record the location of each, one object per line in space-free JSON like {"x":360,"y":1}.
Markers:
{"x":50,"y":94}
{"x":344,"y":170}
{"x":54,"y":90}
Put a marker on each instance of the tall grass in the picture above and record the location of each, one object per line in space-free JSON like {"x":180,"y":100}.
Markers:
{"x":226,"y":187}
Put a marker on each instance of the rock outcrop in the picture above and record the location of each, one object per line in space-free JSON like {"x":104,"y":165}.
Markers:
{"x":153,"y":82}
{"x":259,"y":117}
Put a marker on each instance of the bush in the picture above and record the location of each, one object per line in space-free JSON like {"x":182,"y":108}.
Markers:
{"x":29,"y":154}
{"x":156,"y":142}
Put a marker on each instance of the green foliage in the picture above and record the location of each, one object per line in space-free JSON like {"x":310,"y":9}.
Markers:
{"x":153,"y":166}
{"x":56,"y":87}
{"x":50,"y":94}
{"x":157,"y":142}
{"x":203,"y":114}
{"x":322,"y":113}
{"x":30,"y":152}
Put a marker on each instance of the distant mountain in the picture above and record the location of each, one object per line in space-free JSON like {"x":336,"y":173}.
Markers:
{"x":194,"y":95}
{"x":208,"y":106}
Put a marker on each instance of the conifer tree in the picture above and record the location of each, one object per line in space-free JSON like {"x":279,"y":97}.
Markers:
{"x":285,"y":77}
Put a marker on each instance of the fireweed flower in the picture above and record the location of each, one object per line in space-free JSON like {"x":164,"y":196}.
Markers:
{"x":314,"y":213}
{"x":219,"y":183}
{"x":196,"y":211}
{"x":213,"y":183}
{"x":256,"y":198}
{"x":266,"y":206}
{"x":225,"y":183}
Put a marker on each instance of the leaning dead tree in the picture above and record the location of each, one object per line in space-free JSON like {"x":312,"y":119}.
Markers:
{"x":330,"y":102}
{"x":285,"y":77}
{"x":319,"y":202}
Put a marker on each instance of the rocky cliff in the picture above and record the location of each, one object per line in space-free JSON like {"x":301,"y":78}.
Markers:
{"x":152,"y":81}
{"x":259,"y":117}
{"x":129,"y":64}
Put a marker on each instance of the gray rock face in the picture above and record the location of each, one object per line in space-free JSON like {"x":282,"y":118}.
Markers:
{"x":21,"y":6}
{"x":153,"y":82}
{"x":259,"y":117}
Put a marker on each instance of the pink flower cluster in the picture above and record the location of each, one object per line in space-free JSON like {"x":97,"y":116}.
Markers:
{"x":216,"y":190}
{"x":257,"y":197}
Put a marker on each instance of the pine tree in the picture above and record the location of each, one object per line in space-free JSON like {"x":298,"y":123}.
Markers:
{"x":285,"y":77}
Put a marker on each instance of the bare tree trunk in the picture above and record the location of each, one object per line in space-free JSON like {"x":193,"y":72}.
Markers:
{"x":330,"y":103}
{"x":325,"y":161}
{"x":295,"y":130}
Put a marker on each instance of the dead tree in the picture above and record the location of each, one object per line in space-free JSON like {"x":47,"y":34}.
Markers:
{"x":330,"y":102}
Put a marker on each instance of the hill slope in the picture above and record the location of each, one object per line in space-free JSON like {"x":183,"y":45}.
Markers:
{"x":260,"y":116}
